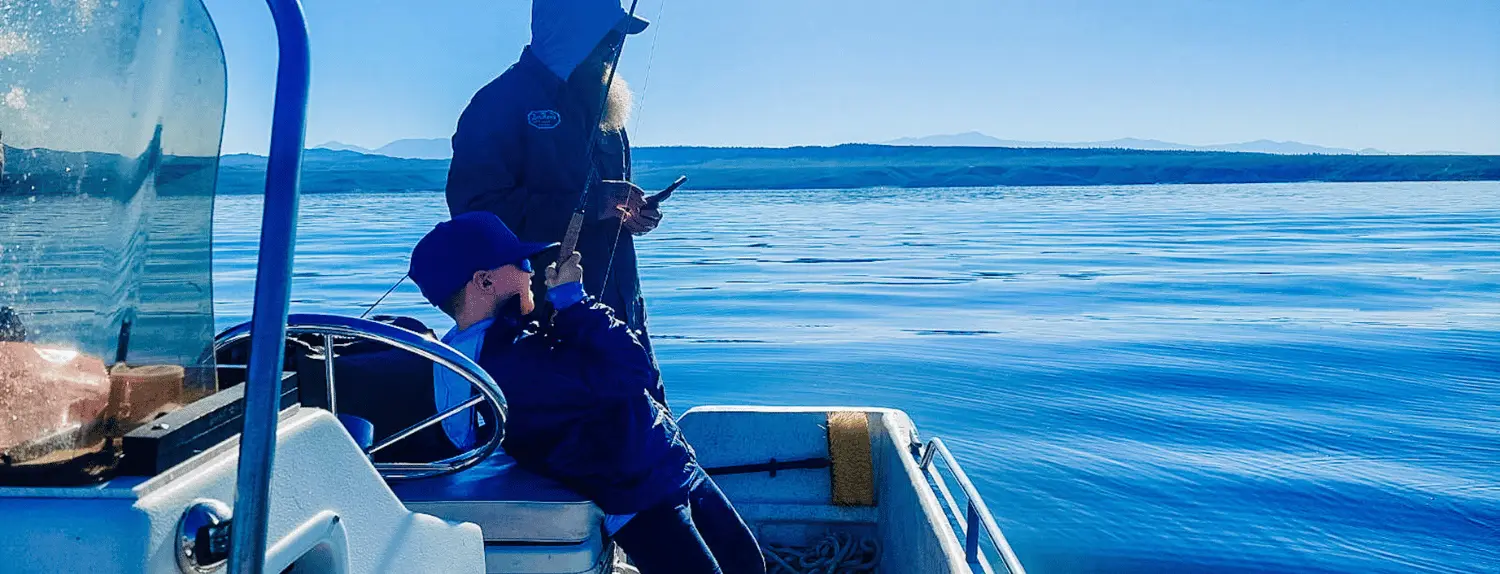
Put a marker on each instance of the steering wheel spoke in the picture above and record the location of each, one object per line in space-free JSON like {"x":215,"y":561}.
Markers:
{"x":331,"y":326}
{"x":429,"y":421}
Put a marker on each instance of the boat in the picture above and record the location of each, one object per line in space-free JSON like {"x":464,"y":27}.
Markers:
{"x":134,"y":438}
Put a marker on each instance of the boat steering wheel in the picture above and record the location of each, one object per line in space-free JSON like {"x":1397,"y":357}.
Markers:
{"x":331,"y":326}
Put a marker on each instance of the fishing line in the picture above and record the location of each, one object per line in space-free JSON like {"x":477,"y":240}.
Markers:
{"x":640,"y":105}
{"x":387,"y":294}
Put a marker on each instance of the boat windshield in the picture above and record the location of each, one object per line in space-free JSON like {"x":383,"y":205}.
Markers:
{"x":110,"y":116}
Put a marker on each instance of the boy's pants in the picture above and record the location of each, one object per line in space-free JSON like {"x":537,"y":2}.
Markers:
{"x":702,"y":536}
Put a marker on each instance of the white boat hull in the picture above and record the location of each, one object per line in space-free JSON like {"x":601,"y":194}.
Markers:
{"x":330,"y":512}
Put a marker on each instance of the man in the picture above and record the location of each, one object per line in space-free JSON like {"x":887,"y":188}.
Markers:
{"x":581,"y":407}
{"x":521,"y":148}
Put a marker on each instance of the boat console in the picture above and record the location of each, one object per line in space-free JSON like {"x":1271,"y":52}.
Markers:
{"x":120,"y":435}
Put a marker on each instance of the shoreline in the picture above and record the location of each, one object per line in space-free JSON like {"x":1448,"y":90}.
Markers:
{"x":850,"y":166}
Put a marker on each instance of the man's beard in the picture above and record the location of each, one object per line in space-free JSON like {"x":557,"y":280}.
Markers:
{"x":617,"y":108}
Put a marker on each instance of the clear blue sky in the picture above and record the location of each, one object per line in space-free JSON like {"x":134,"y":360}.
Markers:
{"x":1403,"y":76}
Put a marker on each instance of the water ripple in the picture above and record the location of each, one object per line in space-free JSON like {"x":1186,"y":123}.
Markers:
{"x":1237,"y":378}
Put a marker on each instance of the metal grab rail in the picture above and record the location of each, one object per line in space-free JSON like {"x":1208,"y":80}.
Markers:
{"x":976,"y":515}
{"x":273,"y":290}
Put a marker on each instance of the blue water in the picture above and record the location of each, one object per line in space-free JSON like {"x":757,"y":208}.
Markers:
{"x":1162,"y":378}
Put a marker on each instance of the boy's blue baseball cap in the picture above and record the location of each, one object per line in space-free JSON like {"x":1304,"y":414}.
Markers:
{"x":447,"y":257}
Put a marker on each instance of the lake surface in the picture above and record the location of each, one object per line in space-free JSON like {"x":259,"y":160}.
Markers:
{"x":1228,"y":378}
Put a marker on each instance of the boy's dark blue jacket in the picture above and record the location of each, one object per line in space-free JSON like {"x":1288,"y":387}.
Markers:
{"x":585,"y":409}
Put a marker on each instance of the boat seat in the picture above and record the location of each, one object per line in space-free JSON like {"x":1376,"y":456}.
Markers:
{"x":511,"y":505}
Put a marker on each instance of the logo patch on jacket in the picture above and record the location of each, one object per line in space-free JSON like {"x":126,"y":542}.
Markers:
{"x":543,"y":119}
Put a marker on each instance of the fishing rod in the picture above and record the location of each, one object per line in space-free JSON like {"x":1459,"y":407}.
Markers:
{"x":575,"y":225}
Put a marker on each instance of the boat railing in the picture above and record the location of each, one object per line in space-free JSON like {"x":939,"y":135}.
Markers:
{"x":975,"y":516}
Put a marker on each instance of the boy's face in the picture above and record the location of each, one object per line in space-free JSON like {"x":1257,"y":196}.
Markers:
{"x":510,"y":280}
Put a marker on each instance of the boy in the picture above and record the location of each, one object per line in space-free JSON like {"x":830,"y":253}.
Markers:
{"x":582,"y":410}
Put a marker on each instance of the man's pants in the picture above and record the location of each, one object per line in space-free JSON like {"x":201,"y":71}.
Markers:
{"x":703,"y":536}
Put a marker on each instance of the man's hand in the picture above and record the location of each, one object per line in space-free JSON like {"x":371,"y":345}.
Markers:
{"x":626,"y":201}
{"x":644,"y":220}
{"x":619,"y":199}
{"x":570,"y":271}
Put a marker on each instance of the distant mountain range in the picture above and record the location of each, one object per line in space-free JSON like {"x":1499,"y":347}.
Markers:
{"x":867,"y":165}
{"x":431,"y":148}
{"x":41,"y":171}
{"x":976,"y":139}
{"x":442,"y":148}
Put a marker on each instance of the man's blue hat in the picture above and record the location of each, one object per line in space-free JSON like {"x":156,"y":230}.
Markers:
{"x":564,"y":32}
{"x":447,"y":257}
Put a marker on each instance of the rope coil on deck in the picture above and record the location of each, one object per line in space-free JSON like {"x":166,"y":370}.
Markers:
{"x":839,"y":552}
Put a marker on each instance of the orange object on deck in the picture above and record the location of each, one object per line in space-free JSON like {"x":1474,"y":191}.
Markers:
{"x":140,"y":393}
{"x":50,"y":398}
